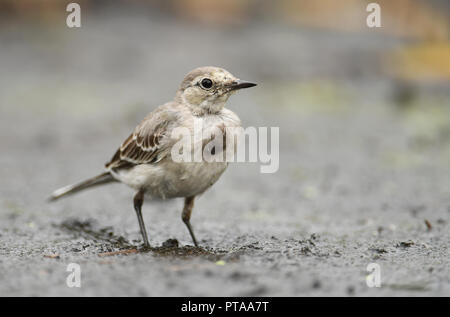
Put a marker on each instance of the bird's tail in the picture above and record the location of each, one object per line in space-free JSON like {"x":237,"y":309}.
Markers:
{"x":72,"y":189}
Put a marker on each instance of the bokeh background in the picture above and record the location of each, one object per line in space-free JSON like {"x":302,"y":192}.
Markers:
{"x":364,"y":117}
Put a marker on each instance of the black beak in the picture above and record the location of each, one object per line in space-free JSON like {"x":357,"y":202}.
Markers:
{"x":239,"y":84}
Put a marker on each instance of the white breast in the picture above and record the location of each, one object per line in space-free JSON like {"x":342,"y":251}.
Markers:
{"x":169,"y":179}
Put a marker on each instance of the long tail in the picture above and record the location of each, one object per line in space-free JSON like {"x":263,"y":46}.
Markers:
{"x":72,"y":189}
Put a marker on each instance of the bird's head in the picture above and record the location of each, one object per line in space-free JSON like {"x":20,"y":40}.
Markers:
{"x":207,"y":89}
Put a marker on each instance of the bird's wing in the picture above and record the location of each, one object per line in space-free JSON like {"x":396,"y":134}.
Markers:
{"x":147,"y":144}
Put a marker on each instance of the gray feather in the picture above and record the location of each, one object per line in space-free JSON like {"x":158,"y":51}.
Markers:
{"x":72,"y":189}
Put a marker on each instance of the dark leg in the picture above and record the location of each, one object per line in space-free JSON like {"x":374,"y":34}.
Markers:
{"x":138,"y":201}
{"x":186,"y":216}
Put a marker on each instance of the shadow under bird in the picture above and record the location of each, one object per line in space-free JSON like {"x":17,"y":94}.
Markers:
{"x":144,"y":161}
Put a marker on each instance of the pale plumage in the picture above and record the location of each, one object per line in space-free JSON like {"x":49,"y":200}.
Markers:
{"x":144,"y":161}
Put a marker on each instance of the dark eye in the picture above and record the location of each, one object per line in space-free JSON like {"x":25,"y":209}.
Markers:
{"x":206,"y":83}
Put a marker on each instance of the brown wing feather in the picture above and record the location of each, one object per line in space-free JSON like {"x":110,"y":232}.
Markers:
{"x":145,"y":145}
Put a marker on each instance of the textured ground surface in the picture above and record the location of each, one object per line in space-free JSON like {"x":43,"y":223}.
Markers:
{"x":364,"y":162}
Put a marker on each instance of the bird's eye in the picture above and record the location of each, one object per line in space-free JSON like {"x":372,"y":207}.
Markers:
{"x":206,"y":83}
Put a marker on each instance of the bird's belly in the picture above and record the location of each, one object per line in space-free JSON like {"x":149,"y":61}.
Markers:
{"x":168,"y":179}
{"x":197,"y":177}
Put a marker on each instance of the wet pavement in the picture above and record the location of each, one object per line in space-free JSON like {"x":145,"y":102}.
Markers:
{"x":361,"y":180}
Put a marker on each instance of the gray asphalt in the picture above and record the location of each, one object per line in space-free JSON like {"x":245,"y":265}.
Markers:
{"x":361,"y":169}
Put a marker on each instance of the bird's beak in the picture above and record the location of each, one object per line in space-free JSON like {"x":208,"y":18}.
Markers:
{"x":239,"y":84}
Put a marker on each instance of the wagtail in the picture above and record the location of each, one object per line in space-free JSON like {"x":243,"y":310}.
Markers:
{"x":144,"y":160}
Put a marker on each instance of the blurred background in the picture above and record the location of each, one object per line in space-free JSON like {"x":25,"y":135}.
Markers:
{"x":364,"y":117}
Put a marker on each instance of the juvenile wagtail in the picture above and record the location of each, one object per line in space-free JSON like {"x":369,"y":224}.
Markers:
{"x":144,"y":161}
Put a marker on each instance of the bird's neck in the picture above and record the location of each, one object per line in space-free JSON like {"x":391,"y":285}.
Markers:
{"x":205,"y":107}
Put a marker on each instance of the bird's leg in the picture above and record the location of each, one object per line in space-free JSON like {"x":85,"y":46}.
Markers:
{"x":138,"y":201}
{"x":186,"y":216}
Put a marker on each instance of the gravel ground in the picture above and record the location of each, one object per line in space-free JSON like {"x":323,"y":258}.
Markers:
{"x":361,"y":169}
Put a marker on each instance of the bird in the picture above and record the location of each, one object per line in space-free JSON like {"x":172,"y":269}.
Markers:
{"x":144,"y":161}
